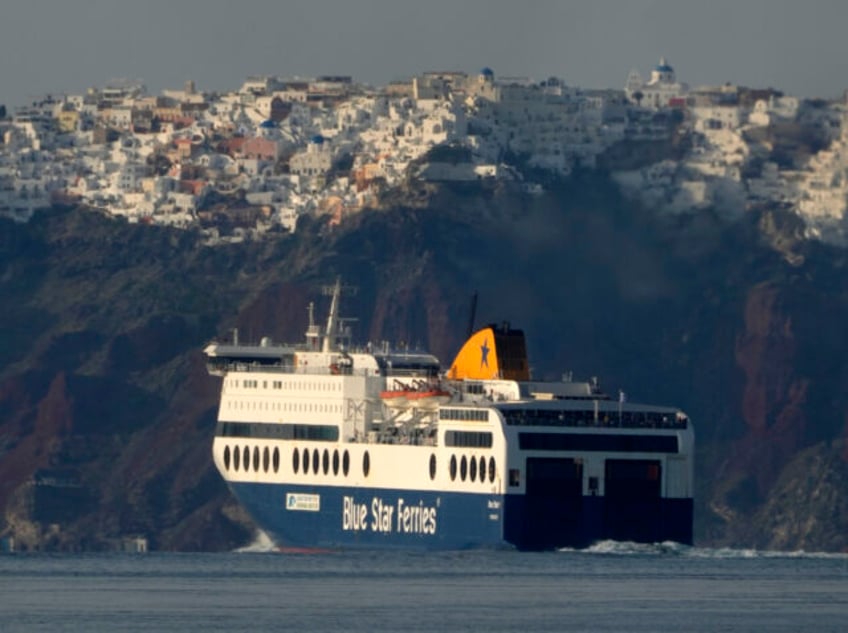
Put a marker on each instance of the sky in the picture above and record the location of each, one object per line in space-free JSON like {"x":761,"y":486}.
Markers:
{"x":68,"y":46}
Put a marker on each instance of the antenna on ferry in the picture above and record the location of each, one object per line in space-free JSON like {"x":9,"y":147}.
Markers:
{"x":313,"y":331}
{"x":333,"y":317}
{"x":473,"y":314}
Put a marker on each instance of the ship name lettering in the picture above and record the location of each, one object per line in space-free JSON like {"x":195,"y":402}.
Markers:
{"x":417,"y":519}
{"x":381,"y":514}
{"x":412,"y":518}
{"x":354,"y":515}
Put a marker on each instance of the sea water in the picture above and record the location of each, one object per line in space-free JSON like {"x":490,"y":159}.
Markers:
{"x":610,"y":587}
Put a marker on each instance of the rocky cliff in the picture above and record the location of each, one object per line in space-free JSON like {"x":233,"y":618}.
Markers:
{"x":105,"y":401}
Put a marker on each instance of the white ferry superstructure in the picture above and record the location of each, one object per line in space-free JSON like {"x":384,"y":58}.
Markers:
{"x":328,"y":446}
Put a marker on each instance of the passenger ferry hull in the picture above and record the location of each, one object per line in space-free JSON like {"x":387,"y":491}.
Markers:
{"x":541,"y":526}
{"x":330,"y":516}
{"x":345,"y":517}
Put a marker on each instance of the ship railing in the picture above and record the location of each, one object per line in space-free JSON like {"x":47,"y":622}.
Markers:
{"x":220,"y":364}
{"x":283,"y":368}
{"x":400,"y":437}
{"x":324,"y":371}
{"x":604,"y":419}
{"x":418,"y":372}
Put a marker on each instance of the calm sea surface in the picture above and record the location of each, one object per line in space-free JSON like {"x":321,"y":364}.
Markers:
{"x":612,"y":587}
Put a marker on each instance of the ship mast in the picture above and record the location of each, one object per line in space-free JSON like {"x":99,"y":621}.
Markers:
{"x":332,"y":330}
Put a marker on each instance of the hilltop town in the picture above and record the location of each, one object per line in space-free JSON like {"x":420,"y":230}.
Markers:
{"x":248,"y":163}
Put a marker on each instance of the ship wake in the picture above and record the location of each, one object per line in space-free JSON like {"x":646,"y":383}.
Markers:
{"x":669,"y":548}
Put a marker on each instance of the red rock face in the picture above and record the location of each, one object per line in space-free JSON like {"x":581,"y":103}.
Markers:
{"x":39,"y":430}
{"x":765,"y":352}
{"x":774,"y":396}
{"x":55,"y":412}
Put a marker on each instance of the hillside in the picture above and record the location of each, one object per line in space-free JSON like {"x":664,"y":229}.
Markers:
{"x":103,"y":385}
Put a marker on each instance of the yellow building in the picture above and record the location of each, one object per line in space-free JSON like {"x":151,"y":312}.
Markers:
{"x":68,"y":121}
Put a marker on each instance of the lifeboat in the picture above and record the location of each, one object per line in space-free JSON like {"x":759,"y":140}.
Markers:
{"x":395,"y":399}
{"x":430,"y":399}
{"x":413,"y":398}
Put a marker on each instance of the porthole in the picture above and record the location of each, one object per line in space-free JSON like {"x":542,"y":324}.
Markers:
{"x":315,"y":463}
{"x":227,"y":457}
{"x":366,"y":464}
{"x":245,"y":458}
{"x":346,"y":463}
{"x":463,"y":468}
{"x":453,"y":467}
{"x":492,"y":470}
{"x":236,"y":458}
{"x":472,"y":474}
{"x":305,"y":460}
{"x":482,"y":469}
{"x":256,"y":459}
{"x":336,"y":462}
{"x":276,"y":459}
{"x":295,"y":461}
{"x":325,"y":463}
{"x":266,"y":459}
{"x":432,"y":467}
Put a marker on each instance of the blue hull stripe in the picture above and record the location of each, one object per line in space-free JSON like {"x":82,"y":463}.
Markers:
{"x":339,"y":517}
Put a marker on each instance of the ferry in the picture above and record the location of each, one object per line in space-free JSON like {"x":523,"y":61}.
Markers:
{"x":327,"y":445}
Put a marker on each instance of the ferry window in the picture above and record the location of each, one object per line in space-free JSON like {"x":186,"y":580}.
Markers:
{"x":346,"y":463}
{"x":599,"y":443}
{"x":295,"y":461}
{"x":315,"y":463}
{"x":276,"y":459}
{"x":305,"y":460}
{"x":432,"y":467}
{"x":492,"y":470}
{"x":482,"y":469}
{"x":366,"y":464}
{"x":472,"y":474}
{"x":256,"y":459}
{"x":236,"y":458}
{"x":245,"y":458}
{"x":314,"y":432}
{"x":336,"y":462}
{"x":463,"y":468}
{"x":326,"y":461}
{"x":472,"y":439}
{"x":466,"y":415}
{"x":453,"y":467}
{"x":266,"y":459}
{"x":514,"y":477}
{"x":227,"y":457}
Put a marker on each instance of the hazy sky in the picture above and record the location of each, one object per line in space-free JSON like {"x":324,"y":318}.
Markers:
{"x":59,"y":46}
